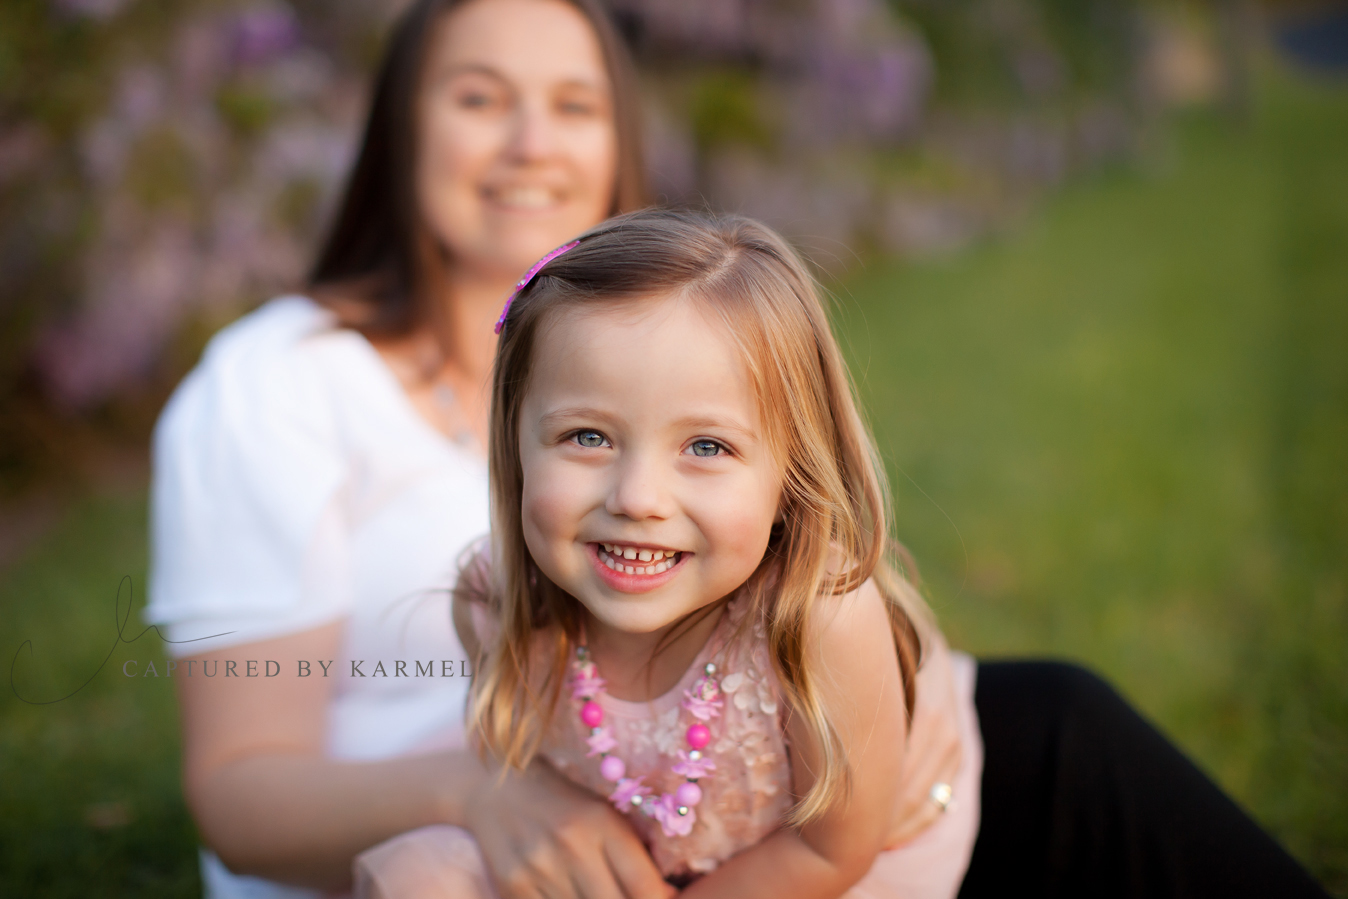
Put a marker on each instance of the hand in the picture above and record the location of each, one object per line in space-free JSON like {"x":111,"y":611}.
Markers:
{"x":933,"y":752}
{"x":545,"y":838}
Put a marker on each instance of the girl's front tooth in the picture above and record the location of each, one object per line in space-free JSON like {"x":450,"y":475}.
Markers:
{"x":645,"y":555}
{"x":629,"y":553}
{"x":630,"y":569}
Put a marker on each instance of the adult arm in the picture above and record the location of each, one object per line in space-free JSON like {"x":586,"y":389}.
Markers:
{"x":934,"y":752}
{"x":858,"y":679}
{"x":269,"y":803}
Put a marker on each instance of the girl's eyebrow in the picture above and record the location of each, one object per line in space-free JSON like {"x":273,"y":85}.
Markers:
{"x":697,"y":423}
{"x":558,"y":416}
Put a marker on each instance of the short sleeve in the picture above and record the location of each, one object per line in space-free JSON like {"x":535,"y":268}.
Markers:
{"x":248,"y":536}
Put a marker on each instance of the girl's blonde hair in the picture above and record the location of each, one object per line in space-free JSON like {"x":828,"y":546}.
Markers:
{"x":834,"y":532}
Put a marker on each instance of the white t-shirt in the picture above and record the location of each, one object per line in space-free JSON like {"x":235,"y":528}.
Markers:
{"x":296,"y":485}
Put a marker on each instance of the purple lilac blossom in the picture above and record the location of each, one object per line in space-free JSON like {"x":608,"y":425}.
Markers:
{"x":264,"y":33}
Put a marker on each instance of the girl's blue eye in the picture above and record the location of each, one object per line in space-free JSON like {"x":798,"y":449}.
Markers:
{"x":590,"y":438}
{"x":706,"y":448}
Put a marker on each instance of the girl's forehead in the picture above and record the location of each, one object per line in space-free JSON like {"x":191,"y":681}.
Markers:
{"x":663,"y":325}
{"x":655,"y":330}
{"x":648,"y":308}
{"x":678,"y":343}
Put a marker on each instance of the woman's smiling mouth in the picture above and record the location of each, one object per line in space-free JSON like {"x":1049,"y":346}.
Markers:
{"x":523,"y":198}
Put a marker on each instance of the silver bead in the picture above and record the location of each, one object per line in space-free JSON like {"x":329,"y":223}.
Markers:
{"x":683,"y":810}
{"x":710,"y":669}
{"x":636,"y":802}
{"x":694,"y":755}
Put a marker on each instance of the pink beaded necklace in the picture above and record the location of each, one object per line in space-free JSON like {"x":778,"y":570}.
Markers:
{"x":674,"y":810}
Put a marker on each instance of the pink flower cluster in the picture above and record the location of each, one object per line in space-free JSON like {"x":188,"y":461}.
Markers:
{"x":703,"y":702}
{"x":600,"y":742}
{"x":586,"y":682}
{"x":627,"y":788}
{"x":692,"y":768}
{"x":666,"y":811}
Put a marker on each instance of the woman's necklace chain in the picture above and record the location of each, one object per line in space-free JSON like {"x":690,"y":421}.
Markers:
{"x":447,"y":402}
{"x":674,"y":810}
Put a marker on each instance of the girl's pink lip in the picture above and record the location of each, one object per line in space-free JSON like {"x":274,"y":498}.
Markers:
{"x":632,"y":583}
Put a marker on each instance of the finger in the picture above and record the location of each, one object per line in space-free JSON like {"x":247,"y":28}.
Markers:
{"x":913,"y":825}
{"x":588,"y":872}
{"x":938,"y":754}
{"x":547,"y":874}
{"x":631,"y":864}
{"x":521,"y":873}
{"x":595,"y":881}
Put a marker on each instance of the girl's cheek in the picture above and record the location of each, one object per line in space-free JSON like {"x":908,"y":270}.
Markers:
{"x":740,"y":529}
{"x":544,"y":521}
{"x":556,"y":501}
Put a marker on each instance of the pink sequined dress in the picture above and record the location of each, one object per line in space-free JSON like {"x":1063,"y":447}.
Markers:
{"x":743,"y":801}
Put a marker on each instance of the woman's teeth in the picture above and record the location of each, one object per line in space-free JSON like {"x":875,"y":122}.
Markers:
{"x":650,"y":561}
{"x":525,"y":197}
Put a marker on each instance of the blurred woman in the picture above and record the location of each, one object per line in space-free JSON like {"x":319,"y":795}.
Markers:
{"x":320,"y":471}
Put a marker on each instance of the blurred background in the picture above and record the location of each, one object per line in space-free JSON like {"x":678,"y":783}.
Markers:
{"x":1089,"y":260}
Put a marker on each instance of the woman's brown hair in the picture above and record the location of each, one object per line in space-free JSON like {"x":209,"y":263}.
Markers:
{"x":378,"y":248}
{"x":834,"y":530}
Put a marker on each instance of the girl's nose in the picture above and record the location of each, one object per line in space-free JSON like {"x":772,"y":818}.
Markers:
{"x":640,"y":492}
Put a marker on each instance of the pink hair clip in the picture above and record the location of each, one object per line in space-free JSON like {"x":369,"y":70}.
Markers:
{"x":529,"y":276}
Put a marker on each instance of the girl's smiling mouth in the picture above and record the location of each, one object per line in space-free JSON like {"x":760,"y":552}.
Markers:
{"x":634,"y":569}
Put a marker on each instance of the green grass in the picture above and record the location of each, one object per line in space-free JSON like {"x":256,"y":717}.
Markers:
{"x":1120,"y":436}
{"x":107,"y":755}
{"x":1116,"y":435}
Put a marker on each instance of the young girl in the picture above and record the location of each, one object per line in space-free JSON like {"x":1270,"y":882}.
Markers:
{"x":691,"y":605}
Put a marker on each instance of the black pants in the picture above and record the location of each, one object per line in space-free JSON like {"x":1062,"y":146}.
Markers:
{"x":1083,"y":798}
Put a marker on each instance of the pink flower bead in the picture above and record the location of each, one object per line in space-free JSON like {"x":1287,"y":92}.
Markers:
{"x":689,"y":794}
{"x":698,"y":736}
{"x":628,"y":788}
{"x":612,"y":769}
{"x":592,"y":714}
